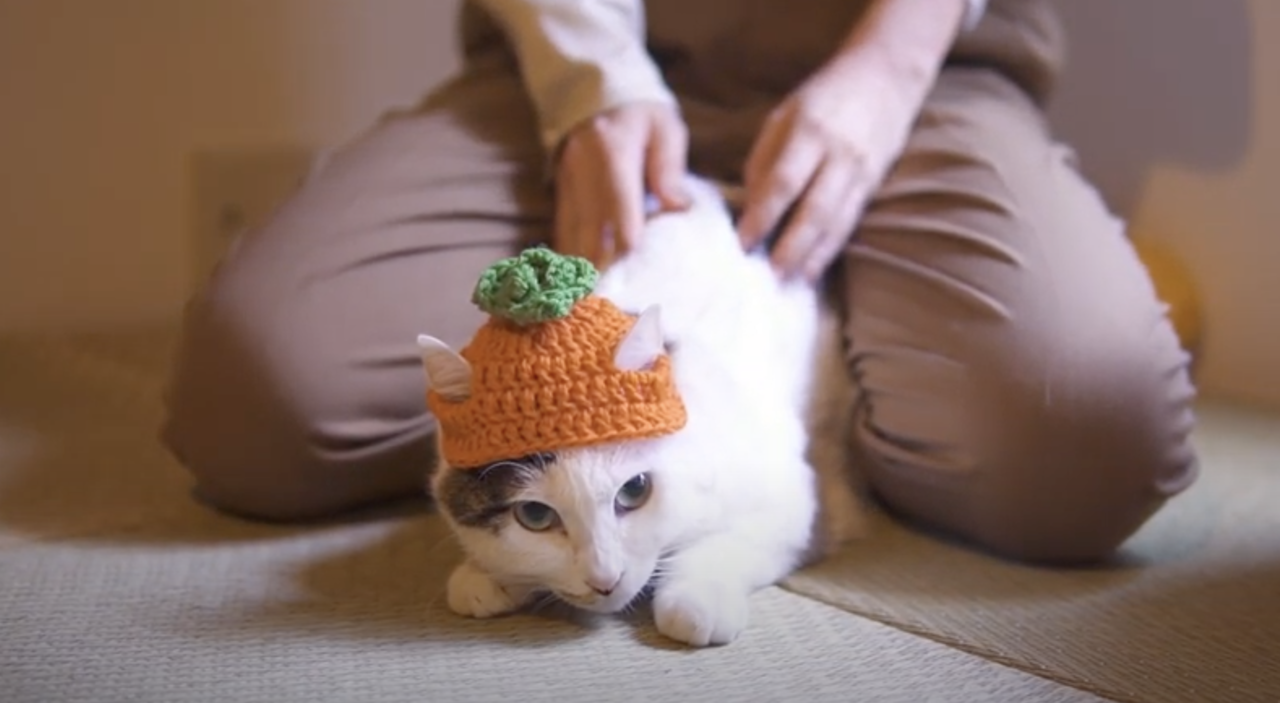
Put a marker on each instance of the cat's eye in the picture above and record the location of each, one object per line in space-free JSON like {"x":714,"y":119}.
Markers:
{"x":634,"y":493}
{"x":535,"y":516}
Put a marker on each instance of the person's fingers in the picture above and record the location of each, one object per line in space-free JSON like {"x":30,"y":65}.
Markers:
{"x":666,"y":162}
{"x":594,"y":217}
{"x":624,"y":200}
{"x":760,"y":161}
{"x":837,"y":236}
{"x":602,"y":179}
{"x":764,"y":152}
{"x":580,"y":212}
{"x":815,"y":217}
{"x":773,"y":187}
{"x":619,"y":186}
{"x":849,"y":210}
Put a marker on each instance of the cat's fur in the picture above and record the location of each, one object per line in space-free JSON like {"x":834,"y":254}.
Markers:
{"x":757,"y":484}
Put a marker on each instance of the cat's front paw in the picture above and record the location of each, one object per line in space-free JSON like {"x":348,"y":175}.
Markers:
{"x":700,"y":613}
{"x":473,"y":593}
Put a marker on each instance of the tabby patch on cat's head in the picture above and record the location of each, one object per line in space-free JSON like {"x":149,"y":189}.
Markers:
{"x":481,"y":498}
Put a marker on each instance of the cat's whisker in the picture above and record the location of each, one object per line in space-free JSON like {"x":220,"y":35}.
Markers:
{"x":632,"y":606}
{"x":431,"y":602}
{"x":440,"y":543}
{"x":542,"y":601}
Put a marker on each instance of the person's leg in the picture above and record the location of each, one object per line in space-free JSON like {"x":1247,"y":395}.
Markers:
{"x":297,"y":391}
{"x":1021,"y":386}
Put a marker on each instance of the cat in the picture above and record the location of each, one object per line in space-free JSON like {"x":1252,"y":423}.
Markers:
{"x":758,"y":483}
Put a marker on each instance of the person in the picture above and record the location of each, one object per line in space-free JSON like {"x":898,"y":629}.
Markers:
{"x":1020,"y":386}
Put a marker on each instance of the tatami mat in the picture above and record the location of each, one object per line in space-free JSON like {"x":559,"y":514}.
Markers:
{"x":116,"y":586}
{"x":356,"y":615}
{"x":1190,"y":613}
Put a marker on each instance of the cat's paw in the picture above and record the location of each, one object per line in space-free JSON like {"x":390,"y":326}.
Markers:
{"x":700,"y":613}
{"x":473,"y":593}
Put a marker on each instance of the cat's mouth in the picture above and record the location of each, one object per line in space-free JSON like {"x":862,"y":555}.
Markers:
{"x":617,"y":601}
{"x":596,"y":603}
{"x":581,"y":600}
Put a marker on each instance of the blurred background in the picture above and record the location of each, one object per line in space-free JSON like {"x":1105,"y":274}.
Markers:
{"x":137,"y":136}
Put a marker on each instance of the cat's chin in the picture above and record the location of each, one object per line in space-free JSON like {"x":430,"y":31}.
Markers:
{"x":604,"y":606}
{"x":618,"y":601}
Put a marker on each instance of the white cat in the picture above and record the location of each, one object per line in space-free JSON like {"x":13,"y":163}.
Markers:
{"x":757,"y":484}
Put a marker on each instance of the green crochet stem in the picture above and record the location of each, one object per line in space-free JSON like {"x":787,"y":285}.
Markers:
{"x":536,"y":286}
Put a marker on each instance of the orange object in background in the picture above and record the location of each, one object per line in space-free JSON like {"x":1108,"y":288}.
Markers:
{"x":1175,"y":286}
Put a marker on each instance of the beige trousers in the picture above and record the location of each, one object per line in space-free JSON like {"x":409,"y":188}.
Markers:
{"x":1022,"y":389}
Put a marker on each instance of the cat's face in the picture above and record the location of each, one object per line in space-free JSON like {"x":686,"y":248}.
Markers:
{"x":588,"y":525}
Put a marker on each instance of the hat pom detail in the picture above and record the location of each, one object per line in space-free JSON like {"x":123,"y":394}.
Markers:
{"x":536,"y":286}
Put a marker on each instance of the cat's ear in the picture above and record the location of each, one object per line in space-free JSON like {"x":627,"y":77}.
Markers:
{"x":447,"y":372}
{"x":643,"y":344}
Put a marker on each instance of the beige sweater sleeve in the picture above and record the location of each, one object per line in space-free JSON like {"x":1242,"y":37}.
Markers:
{"x":579,"y":58}
{"x":976,"y":9}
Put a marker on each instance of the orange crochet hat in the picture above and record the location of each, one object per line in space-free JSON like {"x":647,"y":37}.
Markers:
{"x":543,"y":375}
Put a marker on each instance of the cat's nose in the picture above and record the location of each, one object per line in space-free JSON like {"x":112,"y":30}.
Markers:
{"x":604,"y":585}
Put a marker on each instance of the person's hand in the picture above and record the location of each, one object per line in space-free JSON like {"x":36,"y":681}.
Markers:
{"x":606,"y":167}
{"x":820,"y":155}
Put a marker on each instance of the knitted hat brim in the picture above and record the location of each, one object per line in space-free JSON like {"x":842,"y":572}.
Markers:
{"x":554,"y":386}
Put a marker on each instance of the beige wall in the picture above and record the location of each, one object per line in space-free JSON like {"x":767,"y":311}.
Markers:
{"x":105,"y":99}
{"x":1174,"y":106}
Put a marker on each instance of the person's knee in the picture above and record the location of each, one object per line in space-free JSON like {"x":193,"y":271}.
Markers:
{"x":298,"y":389}
{"x":1025,"y":388}
{"x":268,"y":428}
{"x":1046,"y":440}
{"x":224,"y":422}
{"x":1088,"y":422}
{"x":1085,"y":449}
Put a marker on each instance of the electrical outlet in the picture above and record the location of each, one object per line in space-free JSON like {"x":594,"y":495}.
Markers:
{"x":233,"y":190}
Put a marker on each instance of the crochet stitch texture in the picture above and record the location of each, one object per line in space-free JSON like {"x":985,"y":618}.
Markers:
{"x":546,"y":380}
